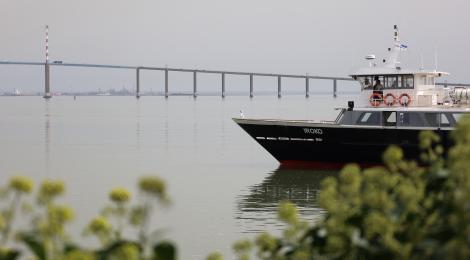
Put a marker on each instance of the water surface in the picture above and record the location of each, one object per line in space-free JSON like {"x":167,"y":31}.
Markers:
{"x":223,"y":186}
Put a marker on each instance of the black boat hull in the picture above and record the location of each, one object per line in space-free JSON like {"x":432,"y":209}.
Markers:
{"x":330,"y":145}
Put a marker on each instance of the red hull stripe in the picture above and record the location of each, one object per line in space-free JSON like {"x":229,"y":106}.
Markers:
{"x":319,"y":164}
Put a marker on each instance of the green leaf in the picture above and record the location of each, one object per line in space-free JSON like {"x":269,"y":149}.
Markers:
{"x":9,"y":254}
{"x":34,"y":245}
{"x":69,"y":247}
{"x":108,"y":252}
{"x":164,"y":251}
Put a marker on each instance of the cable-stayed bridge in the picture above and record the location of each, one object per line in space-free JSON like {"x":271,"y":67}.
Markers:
{"x":195,"y":72}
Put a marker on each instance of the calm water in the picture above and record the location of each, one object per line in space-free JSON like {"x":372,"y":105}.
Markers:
{"x":223,"y":186}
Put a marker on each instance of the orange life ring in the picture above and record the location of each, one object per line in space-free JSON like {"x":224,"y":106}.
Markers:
{"x":404,"y":102}
{"x":375,"y":99}
{"x":390,"y":102}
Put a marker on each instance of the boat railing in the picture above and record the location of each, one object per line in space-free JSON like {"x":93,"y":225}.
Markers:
{"x":460,"y":95}
{"x":340,"y":115}
{"x":328,"y":122}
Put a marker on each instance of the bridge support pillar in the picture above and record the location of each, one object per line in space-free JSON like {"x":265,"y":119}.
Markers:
{"x":194,"y":84}
{"x":334,"y":87}
{"x":166,"y":83}
{"x":223,"y":85}
{"x":47,"y":89}
{"x":251,"y":85}
{"x":307,"y":87}
{"x":278,"y":86}
{"x":137,"y":83}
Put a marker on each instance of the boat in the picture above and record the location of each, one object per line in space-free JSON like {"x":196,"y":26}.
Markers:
{"x":393,"y":107}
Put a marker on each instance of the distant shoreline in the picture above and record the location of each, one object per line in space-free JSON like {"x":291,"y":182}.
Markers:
{"x":210,"y":94}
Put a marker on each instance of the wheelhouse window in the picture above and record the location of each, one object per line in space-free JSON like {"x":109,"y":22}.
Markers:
{"x":391,"y":82}
{"x":407,"y":81}
{"x":429,"y":80}
{"x":457,"y":116}
{"x":449,"y":119}
{"x":445,"y":122}
{"x":390,"y":118}
{"x":418,"y":119}
{"x":409,"y":119}
{"x":369,"y":118}
{"x":365,"y":81}
{"x":431,"y":119}
{"x":380,"y":82}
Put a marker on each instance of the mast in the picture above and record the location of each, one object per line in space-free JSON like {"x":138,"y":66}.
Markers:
{"x":392,"y":61}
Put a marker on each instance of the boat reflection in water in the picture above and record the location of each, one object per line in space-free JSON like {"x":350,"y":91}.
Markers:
{"x":257,"y":209}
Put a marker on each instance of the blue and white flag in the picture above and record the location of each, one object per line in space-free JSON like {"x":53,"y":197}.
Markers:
{"x":402,"y":46}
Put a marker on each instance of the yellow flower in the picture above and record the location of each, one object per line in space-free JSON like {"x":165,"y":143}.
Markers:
{"x":152,"y":185}
{"x":79,"y":255}
{"x":60,"y":214}
{"x":99,"y":225}
{"x":120,"y":195}
{"x":2,"y":222}
{"x":127,"y":251}
{"x":50,"y":189}
{"x":266,"y":242}
{"x":288,"y":212}
{"x":21,"y":184}
{"x":242,"y":246}
{"x":215,"y":256}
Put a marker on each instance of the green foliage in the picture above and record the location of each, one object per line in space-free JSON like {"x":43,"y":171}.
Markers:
{"x":34,"y":244}
{"x":101,"y":228}
{"x":215,"y":256}
{"x":122,"y":250}
{"x":164,"y":251}
{"x":288,"y":212}
{"x":8,"y":254}
{"x":79,"y":255}
{"x":2,"y":222}
{"x":243,"y":249}
{"x":17,"y":187}
{"x":47,"y":237}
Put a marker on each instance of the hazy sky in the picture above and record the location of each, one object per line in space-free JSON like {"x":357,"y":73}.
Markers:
{"x":296,"y":36}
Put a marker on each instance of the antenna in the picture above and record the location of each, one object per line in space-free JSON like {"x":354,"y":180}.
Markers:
{"x":394,"y":53}
{"x":421,"y":67}
{"x":395,"y":36}
{"x":435,"y":59}
{"x":370,"y":58}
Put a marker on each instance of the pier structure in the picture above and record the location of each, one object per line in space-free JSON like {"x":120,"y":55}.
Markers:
{"x":195,"y":72}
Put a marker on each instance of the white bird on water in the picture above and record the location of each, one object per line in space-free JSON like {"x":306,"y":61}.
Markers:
{"x":241,"y":114}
